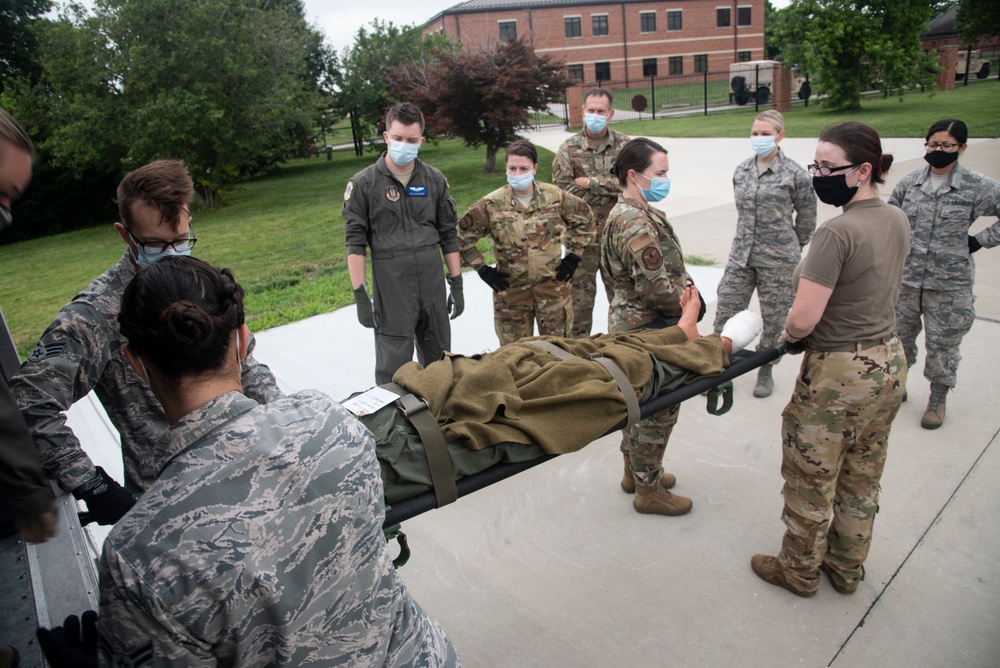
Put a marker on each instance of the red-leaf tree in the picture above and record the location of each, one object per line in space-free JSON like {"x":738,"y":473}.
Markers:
{"x":483,"y":96}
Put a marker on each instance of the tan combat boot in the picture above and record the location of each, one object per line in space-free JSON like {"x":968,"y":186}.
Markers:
{"x":769,"y":570}
{"x":667,"y":480}
{"x":653,"y":499}
{"x":934,"y":415}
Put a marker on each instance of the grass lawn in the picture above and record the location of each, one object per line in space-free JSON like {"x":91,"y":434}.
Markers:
{"x":283,"y":235}
{"x":909,"y":116}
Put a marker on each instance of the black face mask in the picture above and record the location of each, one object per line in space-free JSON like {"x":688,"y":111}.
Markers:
{"x":940,"y":159}
{"x":833,"y":190}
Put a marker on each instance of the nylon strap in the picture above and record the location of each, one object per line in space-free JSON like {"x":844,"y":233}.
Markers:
{"x":438,"y":460}
{"x":631,"y":401}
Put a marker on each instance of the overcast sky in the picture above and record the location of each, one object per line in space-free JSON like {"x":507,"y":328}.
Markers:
{"x":340,"y":19}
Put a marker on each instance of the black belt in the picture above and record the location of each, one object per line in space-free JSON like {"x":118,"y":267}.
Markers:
{"x":855,"y":347}
{"x":388,"y":255}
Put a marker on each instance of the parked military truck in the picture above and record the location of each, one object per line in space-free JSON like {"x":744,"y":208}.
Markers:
{"x":973,"y":65}
{"x":753,"y":80}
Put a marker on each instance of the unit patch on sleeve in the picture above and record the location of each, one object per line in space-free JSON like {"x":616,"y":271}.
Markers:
{"x":348,"y":191}
{"x":645,"y":248}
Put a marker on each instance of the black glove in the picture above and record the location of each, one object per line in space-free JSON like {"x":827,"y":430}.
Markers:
{"x":567,"y":267}
{"x":364,"y":303}
{"x":456,"y":297}
{"x":73,"y":644}
{"x":974,"y":244}
{"x":494,"y":278}
{"x":106,"y":500}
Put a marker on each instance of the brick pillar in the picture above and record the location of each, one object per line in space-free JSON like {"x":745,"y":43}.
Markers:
{"x":947,"y":60}
{"x":782,"y":79}
{"x":574,"y":100}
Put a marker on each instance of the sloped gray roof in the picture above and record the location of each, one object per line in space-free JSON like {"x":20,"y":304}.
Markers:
{"x":941,"y":25}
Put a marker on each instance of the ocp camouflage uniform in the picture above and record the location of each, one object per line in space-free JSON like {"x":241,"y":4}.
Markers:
{"x":835,"y":436}
{"x":768,"y":242}
{"x":527,"y":245}
{"x":940,"y":271}
{"x":641,"y":254}
{"x":261,"y":544}
{"x":580,"y":155}
{"x":83,"y":350}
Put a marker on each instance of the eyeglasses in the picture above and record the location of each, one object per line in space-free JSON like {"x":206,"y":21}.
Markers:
{"x":159,"y":247}
{"x":933,"y":146}
{"x":815,"y":169}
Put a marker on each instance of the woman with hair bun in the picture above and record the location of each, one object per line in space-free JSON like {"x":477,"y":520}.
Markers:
{"x":642,"y":256}
{"x":260,"y":543}
{"x":942,"y":201}
{"x":835,"y":428}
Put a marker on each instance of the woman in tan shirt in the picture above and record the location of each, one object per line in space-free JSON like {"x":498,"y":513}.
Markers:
{"x":835,"y":428}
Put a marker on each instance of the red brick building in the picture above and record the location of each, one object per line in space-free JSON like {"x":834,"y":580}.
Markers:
{"x":612,"y":41}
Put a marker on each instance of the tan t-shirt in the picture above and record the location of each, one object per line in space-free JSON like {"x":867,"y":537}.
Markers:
{"x":860,"y":254}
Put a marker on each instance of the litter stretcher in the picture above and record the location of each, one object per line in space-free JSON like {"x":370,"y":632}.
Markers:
{"x":432,"y":452}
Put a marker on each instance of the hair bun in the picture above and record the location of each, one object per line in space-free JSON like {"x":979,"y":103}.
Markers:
{"x":188,"y":325}
{"x":886,"y":162}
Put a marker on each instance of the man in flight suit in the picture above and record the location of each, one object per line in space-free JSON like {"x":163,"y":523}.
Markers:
{"x":402,"y":209}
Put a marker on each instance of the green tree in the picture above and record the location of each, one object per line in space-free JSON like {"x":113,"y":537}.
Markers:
{"x":378,"y":49}
{"x":772,"y":49}
{"x":483,"y":96}
{"x":19,"y":43}
{"x":977,"y":18}
{"x":229,"y":86}
{"x":849,"y":46}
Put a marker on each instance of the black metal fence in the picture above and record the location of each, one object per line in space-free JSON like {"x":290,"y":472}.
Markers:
{"x":634,"y":99}
{"x":687,"y":94}
{"x":555,"y":116}
{"x":341,"y":137}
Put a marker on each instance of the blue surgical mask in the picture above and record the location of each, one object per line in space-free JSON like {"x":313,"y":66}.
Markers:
{"x":595,"y":123}
{"x":403,"y":153}
{"x":763,"y":145}
{"x":520,"y":181}
{"x":144,"y":259}
{"x":659,"y":187}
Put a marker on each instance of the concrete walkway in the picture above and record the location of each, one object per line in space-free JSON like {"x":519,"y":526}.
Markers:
{"x":554,"y":568}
